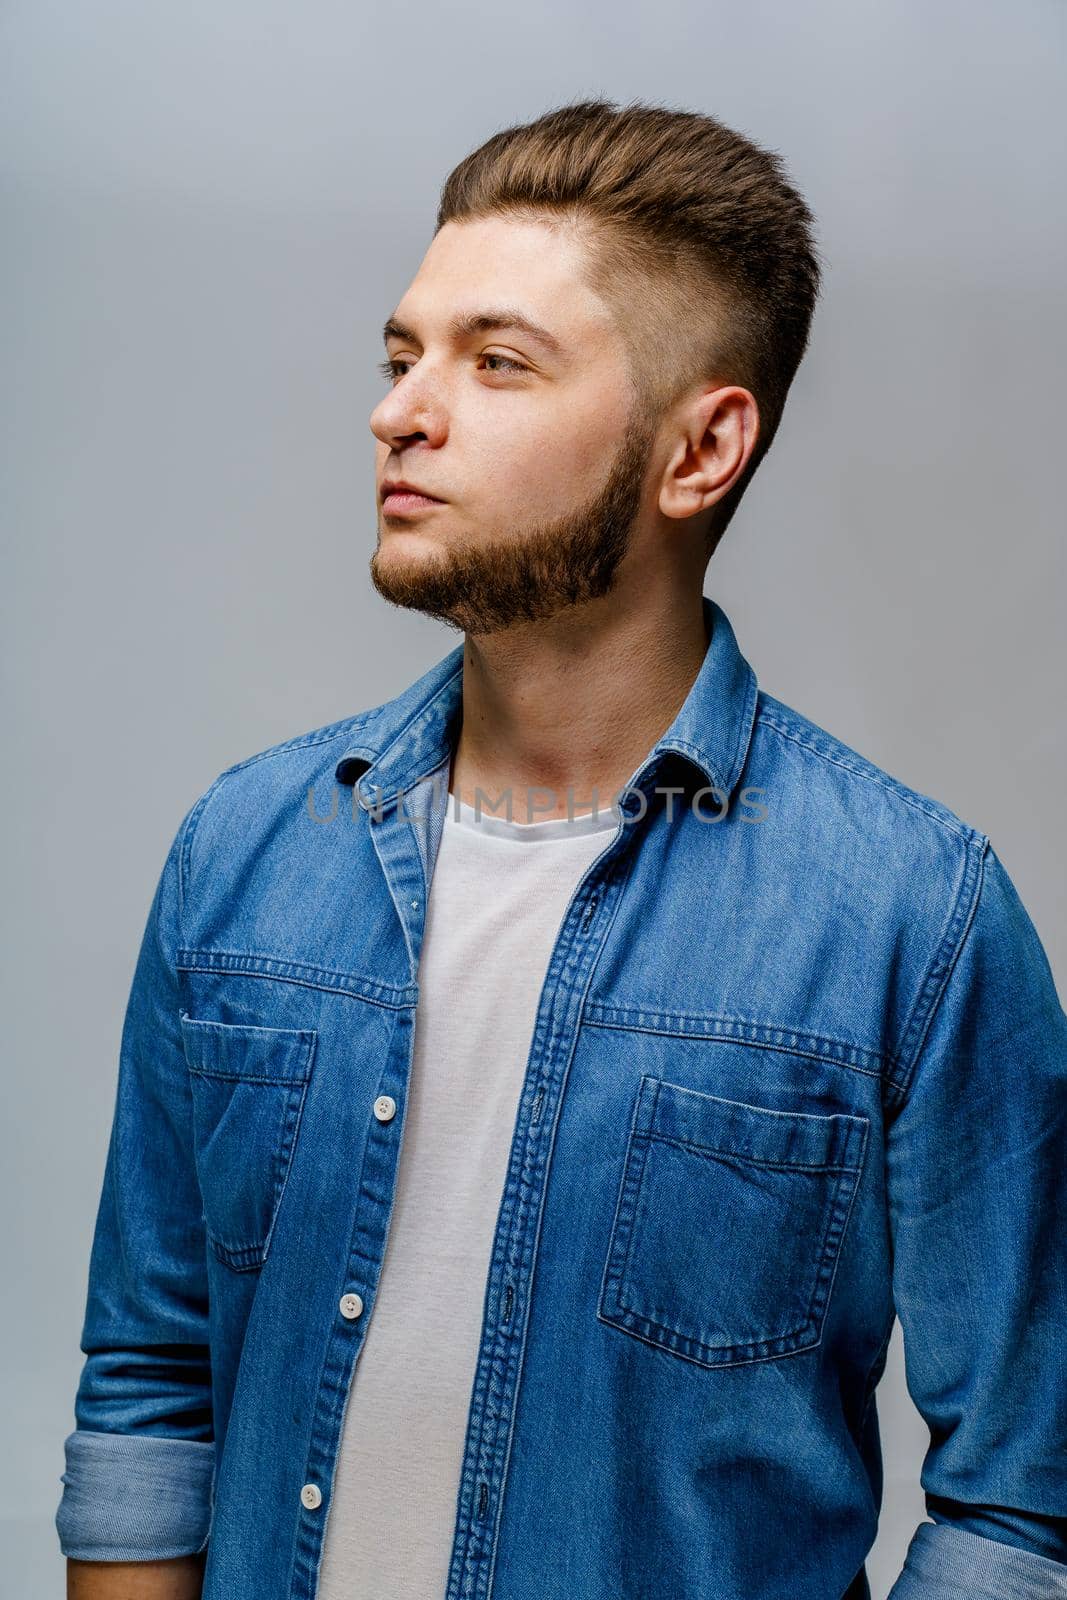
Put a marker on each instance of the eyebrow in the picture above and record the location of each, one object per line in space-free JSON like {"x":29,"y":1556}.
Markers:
{"x":465,"y":324}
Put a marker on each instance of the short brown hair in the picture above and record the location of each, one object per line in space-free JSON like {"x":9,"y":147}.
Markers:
{"x":695,"y":237}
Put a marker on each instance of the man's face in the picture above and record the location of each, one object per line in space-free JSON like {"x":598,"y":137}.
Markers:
{"x":534,"y":451}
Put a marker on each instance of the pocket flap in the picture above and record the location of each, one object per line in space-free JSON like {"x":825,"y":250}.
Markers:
{"x":779,"y":1138}
{"x":243,"y":1051}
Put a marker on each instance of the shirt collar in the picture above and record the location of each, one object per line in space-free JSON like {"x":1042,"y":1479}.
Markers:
{"x":413,"y":734}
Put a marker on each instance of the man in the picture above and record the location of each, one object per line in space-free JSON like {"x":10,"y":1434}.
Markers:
{"x":539,"y":1092}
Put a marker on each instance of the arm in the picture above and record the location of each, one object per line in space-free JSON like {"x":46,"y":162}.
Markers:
{"x":977,"y":1187}
{"x":140,"y":1463}
{"x":181,"y":1579}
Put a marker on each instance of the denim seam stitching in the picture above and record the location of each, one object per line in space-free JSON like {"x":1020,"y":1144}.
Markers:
{"x":673,"y":1339}
{"x":272,"y":967}
{"x":955,"y":937}
{"x":616,"y":872}
{"x":678,"y":1143}
{"x":333,"y":1398}
{"x":870,"y":1389}
{"x":332,"y":732}
{"x":599,"y":1014}
{"x":873,"y":775}
{"x":343,"y":728}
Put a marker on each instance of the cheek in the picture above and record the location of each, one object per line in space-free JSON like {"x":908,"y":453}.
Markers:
{"x":551,"y":465}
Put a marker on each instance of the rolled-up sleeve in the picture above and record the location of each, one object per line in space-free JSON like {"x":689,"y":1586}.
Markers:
{"x":138,"y":1483}
{"x":977,"y":1186}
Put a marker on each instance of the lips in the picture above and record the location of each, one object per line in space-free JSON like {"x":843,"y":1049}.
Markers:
{"x":408,"y":490}
{"x":401,"y":502}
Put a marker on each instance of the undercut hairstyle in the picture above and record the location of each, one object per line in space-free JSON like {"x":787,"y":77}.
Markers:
{"x":695,"y":238}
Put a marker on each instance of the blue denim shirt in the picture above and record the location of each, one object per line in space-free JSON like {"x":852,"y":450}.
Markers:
{"x":798,"y":1063}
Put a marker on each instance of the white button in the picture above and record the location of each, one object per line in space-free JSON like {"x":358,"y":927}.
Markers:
{"x":311,"y":1495}
{"x":351,"y":1306}
{"x":385,"y":1107}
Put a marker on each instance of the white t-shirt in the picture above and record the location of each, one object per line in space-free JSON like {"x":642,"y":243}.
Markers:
{"x":496,"y":901}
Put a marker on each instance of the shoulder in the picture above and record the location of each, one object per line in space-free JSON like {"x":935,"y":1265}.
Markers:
{"x":874,"y":849}
{"x":249,"y":799}
{"x":889,"y":875}
{"x":843,"y":789}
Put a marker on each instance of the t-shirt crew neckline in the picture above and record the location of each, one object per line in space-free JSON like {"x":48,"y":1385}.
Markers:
{"x":490,"y":825}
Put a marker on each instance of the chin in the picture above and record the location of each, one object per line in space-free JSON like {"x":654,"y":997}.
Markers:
{"x":403,"y":546}
{"x":398,"y":562}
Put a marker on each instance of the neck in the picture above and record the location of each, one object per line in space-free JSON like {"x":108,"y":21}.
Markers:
{"x":561,"y":712}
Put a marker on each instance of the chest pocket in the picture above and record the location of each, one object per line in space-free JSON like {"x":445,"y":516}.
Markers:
{"x":729,"y":1224}
{"x":248,"y":1086}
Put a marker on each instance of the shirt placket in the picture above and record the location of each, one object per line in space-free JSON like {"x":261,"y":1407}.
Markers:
{"x":508,"y":1291}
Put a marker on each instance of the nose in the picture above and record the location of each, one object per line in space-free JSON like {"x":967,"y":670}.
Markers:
{"x":412,"y":409}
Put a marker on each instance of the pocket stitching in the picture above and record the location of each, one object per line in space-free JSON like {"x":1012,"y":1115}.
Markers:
{"x":244,"y":1257}
{"x":626,"y":1218}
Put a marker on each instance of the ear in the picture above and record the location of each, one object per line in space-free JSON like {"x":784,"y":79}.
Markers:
{"x":716,"y":435}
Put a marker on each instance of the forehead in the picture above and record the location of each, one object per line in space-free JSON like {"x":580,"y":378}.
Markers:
{"x":496,"y":261}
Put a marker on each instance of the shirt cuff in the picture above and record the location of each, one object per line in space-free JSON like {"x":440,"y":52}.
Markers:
{"x":949,"y":1563}
{"x":135,"y":1497}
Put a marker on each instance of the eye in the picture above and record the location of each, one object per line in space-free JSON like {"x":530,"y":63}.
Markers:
{"x":389,"y":368}
{"x":512,"y":366}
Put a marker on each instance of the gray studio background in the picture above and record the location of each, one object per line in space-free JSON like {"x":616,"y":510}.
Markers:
{"x":207,"y":212}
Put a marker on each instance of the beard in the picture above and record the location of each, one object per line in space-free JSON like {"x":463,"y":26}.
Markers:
{"x":534,"y":574}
